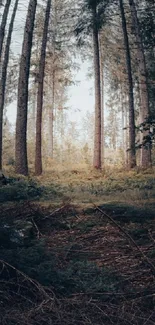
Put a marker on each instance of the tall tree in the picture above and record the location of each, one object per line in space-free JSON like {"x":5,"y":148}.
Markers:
{"x":4,"y":75}
{"x":38,"y":155}
{"x":21,"y":122}
{"x":132,"y":151}
{"x":145,"y":160}
{"x":95,"y":10}
{"x":3,"y":25}
{"x":102,"y":82}
{"x":97,"y":139}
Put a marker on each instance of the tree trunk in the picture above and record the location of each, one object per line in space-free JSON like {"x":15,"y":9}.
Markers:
{"x":51,"y":116}
{"x":102,"y":114}
{"x":97,"y":138}
{"x":38,"y":153}
{"x":126,"y":122}
{"x":132,"y":151}
{"x":145,"y":160}
{"x":3,"y":25}
{"x":123,"y":124}
{"x":52,"y":113}
{"x":22,"y":103}
{"x":102,"y":103}
{"x":4,"y":76}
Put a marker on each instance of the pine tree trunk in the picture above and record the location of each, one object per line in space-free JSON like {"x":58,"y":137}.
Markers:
{"x":102,"y":104}
{"x":145,"y":160}
{"x":132,"y":151}
{"x":22,"y":103}
{"x":52,"y":114}
{"x":102,"y":115}
{"x":38,"y":153}
{"x":4,"y":76}
{"x":97,"y":138}
{"x":126,"y":138}
{"x":3,"y":25}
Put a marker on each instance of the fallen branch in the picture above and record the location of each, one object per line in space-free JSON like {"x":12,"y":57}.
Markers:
{"x":128,"y":236}
{"x":35,"y":283}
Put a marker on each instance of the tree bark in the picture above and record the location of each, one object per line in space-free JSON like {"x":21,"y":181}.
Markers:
{"x":102,"y":115}
{"x":38,"y":153}
{"x":22,"y":103}
{"x":4,"y":76}
{"x":123,"y":124}
{"x":97,"y":139}
{"x":132,"y":151}
{"x":52,"y":111}
{"x":3,"y":25}
{"x":102,"y":102}
{"x":145,"y":160}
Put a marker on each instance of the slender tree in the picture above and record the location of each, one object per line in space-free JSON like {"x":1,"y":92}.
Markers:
{"x":97,"y":163}
{"x":102,"y":99}
{"x":3,"y":25}
{"x":22,"y":103}
{"x":132,"y":151}
{"x":90,"y":23}
{"x":53,"y":79}
{"x":4,"y":75}
{"x":145,"y":160}
{"x":38,"y":155}
{"x":94,"y":11}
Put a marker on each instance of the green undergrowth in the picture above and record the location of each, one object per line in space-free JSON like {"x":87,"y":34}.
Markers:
{"x":40,"y":264}
{"x":17,"y":189}
{"x":82,"y":187}
{"x":95,"y":187}
{"x":126,"y":213}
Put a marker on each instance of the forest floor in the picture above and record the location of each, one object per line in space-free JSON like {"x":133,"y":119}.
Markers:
{"x":79,"y":248}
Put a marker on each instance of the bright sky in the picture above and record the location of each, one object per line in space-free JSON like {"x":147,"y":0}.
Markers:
{"x":80,"y":96}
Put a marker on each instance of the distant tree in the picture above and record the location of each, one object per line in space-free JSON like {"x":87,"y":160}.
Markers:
{"x":21,"y":123}
{"x":38,"y":154}
{"x":4,"y":75}
{"x":12,"y":79}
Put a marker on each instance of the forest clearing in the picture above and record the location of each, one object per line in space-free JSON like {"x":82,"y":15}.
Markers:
{"x":77,"y":162}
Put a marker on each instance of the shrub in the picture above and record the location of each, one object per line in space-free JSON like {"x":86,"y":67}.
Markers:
{"x":19,"y":189}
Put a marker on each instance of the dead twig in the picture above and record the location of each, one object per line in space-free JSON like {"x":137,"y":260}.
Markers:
{"x":151,"y":236}
{"x":39,"y":234}
{"x":56,"y":211}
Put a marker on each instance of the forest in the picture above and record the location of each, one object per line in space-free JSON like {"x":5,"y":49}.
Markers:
{"x":77,"y":162}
